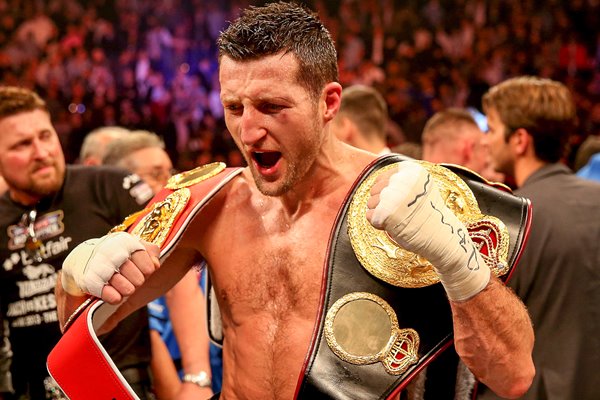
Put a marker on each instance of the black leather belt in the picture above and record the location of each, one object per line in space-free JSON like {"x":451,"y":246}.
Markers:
{"x":419,"y":318}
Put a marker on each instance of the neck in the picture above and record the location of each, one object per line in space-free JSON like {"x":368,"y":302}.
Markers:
{"x":525,"y":167}
{"x":332,"y":174}
{"x":23,"y":198}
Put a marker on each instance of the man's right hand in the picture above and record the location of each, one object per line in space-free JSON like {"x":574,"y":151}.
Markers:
{"x":408,"y":205}
{"x":111,"y":267}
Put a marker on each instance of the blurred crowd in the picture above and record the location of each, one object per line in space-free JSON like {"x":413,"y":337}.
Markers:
{"x":152,"y":64}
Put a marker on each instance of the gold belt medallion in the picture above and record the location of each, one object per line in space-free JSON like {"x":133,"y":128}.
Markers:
{"x":361,"y":328}
{"x":156,"y":225}
{"x":193,"y":176}
{"x":386,"y":260}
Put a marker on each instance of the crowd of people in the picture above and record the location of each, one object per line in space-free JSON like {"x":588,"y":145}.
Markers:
{"x":152,"y":64}
{"x":410,"y":74}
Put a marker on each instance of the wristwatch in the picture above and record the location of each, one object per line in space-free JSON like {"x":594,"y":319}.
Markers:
{"x":201,"y":379}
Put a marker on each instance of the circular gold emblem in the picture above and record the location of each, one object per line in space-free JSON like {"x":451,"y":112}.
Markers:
{"x":193,"y":176}
{"x":386,"y":260}
{"x":362,"y":328}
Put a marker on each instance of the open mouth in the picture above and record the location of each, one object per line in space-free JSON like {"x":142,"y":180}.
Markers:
{"x":266,"y":159}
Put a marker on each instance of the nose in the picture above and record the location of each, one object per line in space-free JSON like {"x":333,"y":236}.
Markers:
{"x":252,"y":130}
{"x":39,"y":149}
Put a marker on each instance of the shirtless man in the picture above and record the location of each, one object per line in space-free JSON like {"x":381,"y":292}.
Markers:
{"x":265,"y":234}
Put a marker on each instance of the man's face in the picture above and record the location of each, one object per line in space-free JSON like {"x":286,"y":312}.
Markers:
{"x":502,"y":157}
{"x":31,"y":158}
{"x":153,"y":165}
{"x":272,"y":119}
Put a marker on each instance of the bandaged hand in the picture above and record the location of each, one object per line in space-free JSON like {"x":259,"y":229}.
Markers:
{"x":110,"y":267}
{"x":407,"y":204}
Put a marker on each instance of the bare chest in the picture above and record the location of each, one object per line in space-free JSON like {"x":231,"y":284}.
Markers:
{"x":271,"y":271}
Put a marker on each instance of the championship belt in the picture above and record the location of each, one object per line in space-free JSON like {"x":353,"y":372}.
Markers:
{"x":79,"y":364}
{"x":384,"y":313}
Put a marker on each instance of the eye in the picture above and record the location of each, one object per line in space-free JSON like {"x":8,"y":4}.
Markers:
{"x":21,"y":145}
{"x":234,"y":109}
{"x":271,"y":108}
{"x":45,"y":135}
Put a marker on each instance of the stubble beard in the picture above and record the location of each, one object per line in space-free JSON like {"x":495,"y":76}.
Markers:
{"x":297,"y":170}
{"x":47,"y":185}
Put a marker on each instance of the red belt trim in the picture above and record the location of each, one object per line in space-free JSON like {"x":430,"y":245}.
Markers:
{"x":78,"y":363}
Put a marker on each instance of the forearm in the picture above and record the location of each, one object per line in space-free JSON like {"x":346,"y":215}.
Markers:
{"x":493,"y":335}
{"x":165,"y":378}
{"x":187,"y":311}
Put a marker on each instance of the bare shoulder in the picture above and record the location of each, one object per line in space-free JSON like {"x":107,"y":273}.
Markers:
{"x":223,"y":208}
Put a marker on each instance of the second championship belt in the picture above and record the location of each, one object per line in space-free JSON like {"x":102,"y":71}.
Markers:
{"x":79,"y":363}
{"x":384,"y":313}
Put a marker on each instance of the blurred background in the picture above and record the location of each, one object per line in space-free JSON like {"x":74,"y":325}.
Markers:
{"x":152,"y":64}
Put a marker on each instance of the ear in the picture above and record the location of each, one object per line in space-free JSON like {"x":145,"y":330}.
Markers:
{"x":333,"y":98}
{"x":466,"y":151}
{"x":521,"y":142}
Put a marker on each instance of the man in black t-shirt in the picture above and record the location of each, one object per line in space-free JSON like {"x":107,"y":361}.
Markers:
{"x":49,"y":209}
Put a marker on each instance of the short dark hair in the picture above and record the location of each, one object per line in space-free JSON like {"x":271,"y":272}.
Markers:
{"x":15,"y":100}
{"x":288,"y":28}
{"x":543,"y":107}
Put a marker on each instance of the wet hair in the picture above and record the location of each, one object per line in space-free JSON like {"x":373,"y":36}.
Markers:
{"x":284,"y":28}
{"x":15,"y":100}
{"x":366,"y":107}
{"x":543,"y":107}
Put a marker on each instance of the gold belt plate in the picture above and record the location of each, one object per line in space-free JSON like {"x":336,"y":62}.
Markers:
{"x":385,"y":259}
{"x":156,"y":225}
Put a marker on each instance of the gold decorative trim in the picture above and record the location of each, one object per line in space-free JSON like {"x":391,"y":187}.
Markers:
{"x":398,"y":353}
{"x":156,"y":225}
{"x":193,"y":176}
{"x":128,"y":221}
{"x":76,"y":313}
{"x":386,"y":260}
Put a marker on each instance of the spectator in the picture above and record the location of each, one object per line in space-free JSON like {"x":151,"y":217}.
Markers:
{"x":362,"y":119}
{"x":530,"y":120}
{"x":48,"y":209}
{"x":94,"y":144}
{"x":452,"y":136}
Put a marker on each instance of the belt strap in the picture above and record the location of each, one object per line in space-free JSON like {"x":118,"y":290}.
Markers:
{"x":78,"y":363}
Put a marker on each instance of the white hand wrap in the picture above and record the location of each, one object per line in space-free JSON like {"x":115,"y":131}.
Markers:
{"x":91,"y":264}
{"x":412,"y":212}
